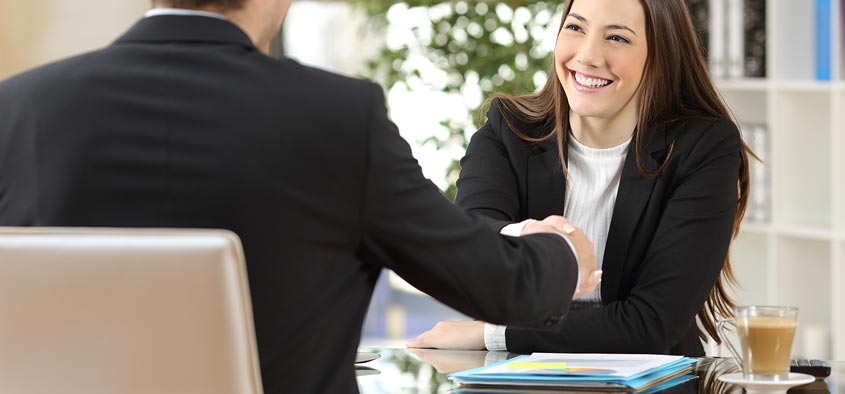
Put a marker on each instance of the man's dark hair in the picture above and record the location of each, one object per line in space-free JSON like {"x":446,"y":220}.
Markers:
{"x":224,"y":5}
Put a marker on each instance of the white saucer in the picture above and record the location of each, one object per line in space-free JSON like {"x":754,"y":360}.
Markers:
{"x":763,"y":386}
{"x":362,"y":357}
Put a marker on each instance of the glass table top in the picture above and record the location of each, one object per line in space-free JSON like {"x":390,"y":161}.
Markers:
{"x":417,"y":371}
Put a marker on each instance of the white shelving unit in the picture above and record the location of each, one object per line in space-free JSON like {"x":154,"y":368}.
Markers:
{"x":797,"y":257}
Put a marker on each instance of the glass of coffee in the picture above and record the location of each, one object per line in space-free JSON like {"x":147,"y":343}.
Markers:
{"x":765,"y":336}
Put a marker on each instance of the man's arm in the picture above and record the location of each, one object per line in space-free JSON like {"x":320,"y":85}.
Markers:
{"x":412,"y":229}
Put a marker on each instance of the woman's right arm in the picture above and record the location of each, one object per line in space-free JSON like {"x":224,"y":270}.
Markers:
{"x":487,"y":185}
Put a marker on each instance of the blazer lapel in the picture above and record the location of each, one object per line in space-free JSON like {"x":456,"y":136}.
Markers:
{"x":545,"y":183}
{"x":634,"y":192}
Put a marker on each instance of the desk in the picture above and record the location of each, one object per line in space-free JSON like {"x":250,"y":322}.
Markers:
{"x":418,"y":371}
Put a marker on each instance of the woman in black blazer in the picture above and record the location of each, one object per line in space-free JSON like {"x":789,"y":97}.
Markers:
{"x":625,"y":72}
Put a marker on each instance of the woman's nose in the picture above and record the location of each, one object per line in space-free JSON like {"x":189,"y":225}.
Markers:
{"x":590,"y":53}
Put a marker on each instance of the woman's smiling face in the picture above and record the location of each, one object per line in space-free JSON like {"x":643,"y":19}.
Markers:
{"x":600,"y":56}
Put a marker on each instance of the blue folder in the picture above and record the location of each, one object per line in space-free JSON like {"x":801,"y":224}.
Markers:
{"x":642,"y":380}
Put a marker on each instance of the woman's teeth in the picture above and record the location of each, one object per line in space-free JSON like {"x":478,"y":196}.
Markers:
{"x":591,"y":82}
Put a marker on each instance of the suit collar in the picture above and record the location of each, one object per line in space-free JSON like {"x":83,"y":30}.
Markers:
{"x":176,"y":28}
{"x":545,"y":181}
{"x":656,"y":142}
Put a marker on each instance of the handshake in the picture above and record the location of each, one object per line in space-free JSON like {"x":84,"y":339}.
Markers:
{"x":581,"y":245}
{"x":469,"y":335}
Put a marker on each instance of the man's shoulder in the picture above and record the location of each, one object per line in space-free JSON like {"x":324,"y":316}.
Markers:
{"x":318,"y":88}
{"x":44,"y":72}
{"x":319,"y":78}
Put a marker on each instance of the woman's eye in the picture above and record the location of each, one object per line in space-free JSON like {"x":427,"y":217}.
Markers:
{"x":619,"y":39}
{"x":572,"y":27}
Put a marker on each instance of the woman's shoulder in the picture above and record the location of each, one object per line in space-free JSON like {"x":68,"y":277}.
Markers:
{"x":494,"y":113}
{"x":505,"y":118}
{"x":500,"y":114}
{"x":701,"y":131}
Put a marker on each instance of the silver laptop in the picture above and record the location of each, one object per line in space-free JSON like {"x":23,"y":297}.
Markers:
{"x":125,"y":311}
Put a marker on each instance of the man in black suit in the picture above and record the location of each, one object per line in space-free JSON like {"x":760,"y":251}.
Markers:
{"x":186,"y":122}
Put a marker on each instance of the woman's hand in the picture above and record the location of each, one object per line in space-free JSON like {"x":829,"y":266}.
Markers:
{"x":467,"y":335}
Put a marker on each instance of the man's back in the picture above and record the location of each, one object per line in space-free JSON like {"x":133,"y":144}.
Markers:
{"x":183,"y":123}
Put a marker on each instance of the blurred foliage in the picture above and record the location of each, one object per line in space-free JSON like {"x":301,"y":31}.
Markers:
{"x":495,"y":46}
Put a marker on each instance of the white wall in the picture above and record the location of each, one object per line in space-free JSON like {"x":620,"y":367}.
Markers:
{"x":35,"y":32}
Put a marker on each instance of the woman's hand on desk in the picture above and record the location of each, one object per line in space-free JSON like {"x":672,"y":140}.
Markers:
{"x":584,"y":249}
{"x":468,"y":335}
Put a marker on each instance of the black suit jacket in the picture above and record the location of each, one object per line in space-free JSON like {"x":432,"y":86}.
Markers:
{"x":668,"y":236}
{"x":182,"y":122}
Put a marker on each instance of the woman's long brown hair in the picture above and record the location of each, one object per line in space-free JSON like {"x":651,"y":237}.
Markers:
{"x":675,"y":84}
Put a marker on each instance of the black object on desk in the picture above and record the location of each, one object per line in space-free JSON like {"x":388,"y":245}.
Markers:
{"x":817,"y":368}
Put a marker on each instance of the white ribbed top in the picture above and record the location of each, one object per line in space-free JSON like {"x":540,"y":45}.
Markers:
{"x":594,"y":176}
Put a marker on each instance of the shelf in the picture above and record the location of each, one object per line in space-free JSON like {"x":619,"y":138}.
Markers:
{"x":802,"y":233}
{"x":760,"y":85}
{"x":805,"y":233}
{"x":805,"y":86}
{"x":794,"y":254}
{"x":755,"y":228}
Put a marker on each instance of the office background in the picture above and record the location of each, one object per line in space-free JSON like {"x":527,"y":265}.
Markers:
{"x":791,"y":250}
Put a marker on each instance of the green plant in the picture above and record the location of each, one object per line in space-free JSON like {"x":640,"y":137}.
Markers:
{"x":481,"y":46}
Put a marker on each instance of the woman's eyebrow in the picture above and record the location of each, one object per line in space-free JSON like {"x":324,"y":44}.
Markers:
{"x":614,"y":27}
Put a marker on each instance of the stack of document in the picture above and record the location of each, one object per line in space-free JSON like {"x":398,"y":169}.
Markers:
{"x":611,"y":372}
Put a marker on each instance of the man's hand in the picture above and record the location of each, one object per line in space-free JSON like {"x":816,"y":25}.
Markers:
{"x":584,"y":249}
{"x":468,"y":335}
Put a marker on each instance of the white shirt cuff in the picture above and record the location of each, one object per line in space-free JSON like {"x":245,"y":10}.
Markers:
{"x":495,"y":357}
{"x":494,"y":337}
{"x":515,"y":229}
